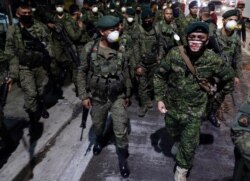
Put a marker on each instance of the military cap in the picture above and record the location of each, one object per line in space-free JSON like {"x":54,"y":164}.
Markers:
{"x":146,"y":13}
{"x":197,"y":27}
{"x":130,"y":11}
{"x":192,"y":4}
{"x":229,"y":13}
{"x":73,"y":8}
{"x":59,"y":2}
{"x":107,"y":22}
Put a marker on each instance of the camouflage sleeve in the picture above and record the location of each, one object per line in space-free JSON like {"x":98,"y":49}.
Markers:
{"x":237,"y":64}
{"x":10,"y":50}
{"x":160,"y":77}
{"x":74,"y":32}
{"x":82,"y":72}
{"x":128,"y":82}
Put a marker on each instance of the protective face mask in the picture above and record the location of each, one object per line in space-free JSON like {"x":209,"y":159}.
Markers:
{"x":163,"y":7}
{"x":117,"y":3}
{"x":113,"y":37}
{"x":33,"y":9}
{"x":195,"y":46}
{"x":123,"y":9}
{"x":231,"y":25}
{"x":59,"y":9}
{"x":26,"y":19}
{"x":130,"y":19}
{"x":112,"y":10}
{"x":94,"y":9}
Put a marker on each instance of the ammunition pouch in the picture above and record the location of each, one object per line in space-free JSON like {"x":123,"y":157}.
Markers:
{"x":103,"y":87}
{"x":149,"y":58}
{"x":31,"y":59}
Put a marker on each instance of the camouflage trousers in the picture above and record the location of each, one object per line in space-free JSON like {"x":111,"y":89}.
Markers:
{"x":146,"y":85}
{"x":185,"y":129}
{"x":33,"y":82}
{"x":119,"y":116}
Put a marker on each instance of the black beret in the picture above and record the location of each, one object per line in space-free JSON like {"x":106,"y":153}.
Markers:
{"x":146,"y":13}
{"x":107,"y":22}
{"x":197,"y":27}
{"x":229,"y":13}
{"x":130,"y":11}
{"x":192,"y":4}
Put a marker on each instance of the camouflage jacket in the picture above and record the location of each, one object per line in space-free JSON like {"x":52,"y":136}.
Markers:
{"x":104,"y":72}
{"x":178,"y":87}
{"x":231,"y":47}
{"x":15,"y":44}
{"x":190,"y":19}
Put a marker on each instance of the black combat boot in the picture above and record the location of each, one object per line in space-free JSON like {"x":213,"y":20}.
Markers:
{"x":123,"y":164}
{"x":35,"y":128}
{"x":212,"y":118}
{"x":98,"y":145}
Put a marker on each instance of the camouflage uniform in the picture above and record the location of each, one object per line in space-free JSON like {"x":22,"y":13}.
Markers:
{"x":184,"y":99}
{"x":240,"y":133}
{"x":109,"y":84}
{"x":28,"y":63}
{"x":190,"y":19}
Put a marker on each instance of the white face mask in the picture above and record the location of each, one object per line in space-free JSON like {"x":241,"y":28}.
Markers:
{"x":117,"y":3}
{"x":112,"y":10}
{"x":59,"y":9}
{"x":163,"y":7}
{"x":195,"y":46}
{"x":94,"y":9}
{"x":231,"y":25}
{"x":33,"y":9}
{"x":113,"y":37}
{"x":123,"y":9}
{"x":130,"y":19}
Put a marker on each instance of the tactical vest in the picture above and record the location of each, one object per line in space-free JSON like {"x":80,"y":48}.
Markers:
{"x":148,"y":45}
{"x":228,"y":45}
{"x":26,"y":51}
{"x":106,"y":77}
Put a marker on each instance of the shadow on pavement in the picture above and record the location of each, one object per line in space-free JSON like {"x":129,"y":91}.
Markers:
{"x":162,"y":142}
{"x":15,"y":128}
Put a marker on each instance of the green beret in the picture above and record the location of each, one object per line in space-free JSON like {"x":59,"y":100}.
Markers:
{"x":107,"y":22}
{"x":229,"y":13}
{"x":130,"y":11}
{"x":146,"y":13}
{"x":197,"y":27}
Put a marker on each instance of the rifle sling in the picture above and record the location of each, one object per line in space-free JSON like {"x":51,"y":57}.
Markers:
{"x":187,"y":60}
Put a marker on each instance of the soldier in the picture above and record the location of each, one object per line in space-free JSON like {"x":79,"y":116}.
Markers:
{"x":229,"y":46}
{"x":90,"y":16}
{"x":241,"y":29}
{"x":105,"y":74}
{"x":181,"y":95}
{"x":213,"y":15}
{"x":167,"y":29}
{"x":205,"y":17}
{"x":193,"y":12}
{"x":147,"y":40}
{"x":240,"y":133}
{"x":26,"y":43}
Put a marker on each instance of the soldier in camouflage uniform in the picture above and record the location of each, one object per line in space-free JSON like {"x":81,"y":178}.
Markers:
{"x":90,"y":16}
{"x":28,"y":62}
{"x":167,"y":28}
{"x":193,"y":13}
{"x":180,"y":96}
{"x":147,"y":40}
{"x":104,"y":83}
{"x":229,"y":44}
{"x":240,"y":133}
{"x":205,"y":17}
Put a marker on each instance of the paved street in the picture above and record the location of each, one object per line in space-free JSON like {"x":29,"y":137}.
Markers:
{"x":60,"y":155}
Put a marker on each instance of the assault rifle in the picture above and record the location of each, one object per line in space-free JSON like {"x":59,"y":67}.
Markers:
{"x":67,"y":44}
